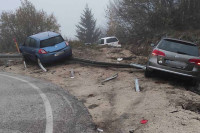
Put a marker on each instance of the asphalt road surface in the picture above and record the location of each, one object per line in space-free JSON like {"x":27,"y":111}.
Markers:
{"x":29,"y":105}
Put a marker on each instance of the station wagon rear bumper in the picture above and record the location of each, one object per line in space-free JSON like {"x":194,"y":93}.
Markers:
{"x":169,"y":71}
{"x":153,"y":65}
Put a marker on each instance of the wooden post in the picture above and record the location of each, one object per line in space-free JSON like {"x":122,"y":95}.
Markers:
{"x":16,"y":45}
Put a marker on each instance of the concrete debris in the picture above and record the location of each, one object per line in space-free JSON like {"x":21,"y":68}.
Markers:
{"x":99,"y":130}
{"x":53,"y":72}
{"x":110,"y":78}
{"x":91,"y":95}
{"x":137,"y":85}
{"x":132,"y":131}
{"x":93,"y":106}
{"x":72,"y":73}
{"x":174,"y":111}
{"x":24,"y":64}
{"x":119,"y":59}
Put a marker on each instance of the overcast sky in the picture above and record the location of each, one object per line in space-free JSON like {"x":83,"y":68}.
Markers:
{"x":67,"y":12}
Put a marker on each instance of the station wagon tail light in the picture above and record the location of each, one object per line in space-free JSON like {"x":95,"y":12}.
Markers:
{"x":42,"y":51}
{"x":67,"y":44}
{"x":158,"y":53}
{"x":196,"y":61}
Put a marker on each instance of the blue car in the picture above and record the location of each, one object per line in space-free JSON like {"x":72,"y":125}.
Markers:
{"x":45,"y":47}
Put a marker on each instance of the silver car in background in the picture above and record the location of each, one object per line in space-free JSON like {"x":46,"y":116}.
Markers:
{"x":175,"y":56}
{"x":110,"y":41}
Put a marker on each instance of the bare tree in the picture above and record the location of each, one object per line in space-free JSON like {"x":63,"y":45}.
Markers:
{"x":25,"y":21}
{"x":144,"y":18}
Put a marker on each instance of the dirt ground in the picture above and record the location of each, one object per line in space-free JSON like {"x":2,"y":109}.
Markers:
{"x":168,"y":103}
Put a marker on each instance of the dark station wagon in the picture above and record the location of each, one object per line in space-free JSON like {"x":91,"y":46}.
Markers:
{"x":175,"y":56}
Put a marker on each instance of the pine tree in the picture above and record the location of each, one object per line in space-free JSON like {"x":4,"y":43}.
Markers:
{"x":86,"y":29}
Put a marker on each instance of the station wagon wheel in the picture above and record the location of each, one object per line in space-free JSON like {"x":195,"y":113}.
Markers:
{"x":194,"y":82}
{"x":148,"y":73}
{"x":40,"y":65}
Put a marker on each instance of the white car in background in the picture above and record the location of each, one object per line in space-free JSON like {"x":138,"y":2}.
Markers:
{"x":110,"y":41}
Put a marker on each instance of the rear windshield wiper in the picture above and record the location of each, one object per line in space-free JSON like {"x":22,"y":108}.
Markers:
{"x":181,"y":53}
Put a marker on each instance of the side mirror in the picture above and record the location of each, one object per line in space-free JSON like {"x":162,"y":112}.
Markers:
{"x":153,"y":45}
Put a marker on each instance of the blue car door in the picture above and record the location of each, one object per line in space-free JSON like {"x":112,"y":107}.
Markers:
{"x":33,"y":49}
{"x":29,"y":48}
{"x":25,"y":46}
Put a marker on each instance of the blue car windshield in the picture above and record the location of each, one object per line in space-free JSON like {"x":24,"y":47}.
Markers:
{"x":51,"y":41}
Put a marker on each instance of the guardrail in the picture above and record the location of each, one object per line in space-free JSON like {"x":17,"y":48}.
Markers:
{"x":78,"y":60}
{"x":9,"y":59}
{"x":7,"y":56}
{"x":107,"y":64}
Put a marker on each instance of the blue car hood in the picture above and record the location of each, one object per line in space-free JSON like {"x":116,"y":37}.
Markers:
{"x":56,"y":47}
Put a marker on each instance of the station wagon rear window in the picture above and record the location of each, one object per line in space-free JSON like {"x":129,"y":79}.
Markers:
{"x":112,"y":40}
{"x":51,"y":41}
{"x":179,"y":47}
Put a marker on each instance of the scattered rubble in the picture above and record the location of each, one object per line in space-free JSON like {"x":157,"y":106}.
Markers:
{"x":99,"y":130}
{"x":119,"y":59}
{"x":72,"y":73}
{"x":115,"y":107}
{"x":93,"y":106}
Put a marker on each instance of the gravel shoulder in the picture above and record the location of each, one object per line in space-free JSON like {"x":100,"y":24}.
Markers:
{"x":167,"y":103}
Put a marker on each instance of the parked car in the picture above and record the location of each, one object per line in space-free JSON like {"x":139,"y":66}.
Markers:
{"x":175,"y":56}
{"x":110,"y":41}
{"x":45,"y":47}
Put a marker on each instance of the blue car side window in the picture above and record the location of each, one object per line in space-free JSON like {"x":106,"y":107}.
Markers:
{"x":32,"y":43}
{"x":27,"y":42}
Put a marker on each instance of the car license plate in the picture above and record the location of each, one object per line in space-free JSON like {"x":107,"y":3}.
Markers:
{"x":167,"y":61}
{"x":59,"y":53}
{"x":175,"y":64}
